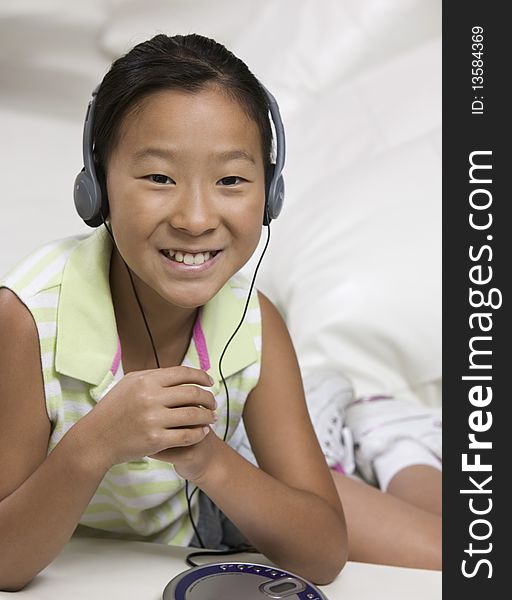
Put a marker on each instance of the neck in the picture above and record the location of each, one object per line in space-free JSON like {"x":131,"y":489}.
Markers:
{"x":171,"y":326}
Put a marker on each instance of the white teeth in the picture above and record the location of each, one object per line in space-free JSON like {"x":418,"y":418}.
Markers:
{"x":187,"y":258}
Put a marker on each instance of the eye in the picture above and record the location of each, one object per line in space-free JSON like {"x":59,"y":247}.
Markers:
{"x":231,"y":180}
{"x":160,"y":179}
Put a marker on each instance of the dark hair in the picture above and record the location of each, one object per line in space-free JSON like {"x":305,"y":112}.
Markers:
{"x":186,"y":62}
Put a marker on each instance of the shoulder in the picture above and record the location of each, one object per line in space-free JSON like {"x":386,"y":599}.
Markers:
{"x":18,"y":331}
{"x":278,"y":358}
{"x":41,"y":269}
{"x":238,"y":300}
{"x":268,"y":307}
{"x":16,"y":322}
{"x":273,"y":324}
{"x":240,"y":286}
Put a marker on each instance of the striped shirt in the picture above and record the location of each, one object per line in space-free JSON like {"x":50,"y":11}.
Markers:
{"x":65,"y":285}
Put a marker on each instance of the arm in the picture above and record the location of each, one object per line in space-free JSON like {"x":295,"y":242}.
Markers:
{"x":419,"y":485}
{"x":41,"y":498}
{"x":389,"y":530}
{"x":289,"y":508}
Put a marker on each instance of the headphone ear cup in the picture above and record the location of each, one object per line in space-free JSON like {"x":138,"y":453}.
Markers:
{"x":274,"y":196}
{"x":266,"y":216}
{"x":88,"y":198}
{"x":102,"y":185}
{"x":269,"y":176}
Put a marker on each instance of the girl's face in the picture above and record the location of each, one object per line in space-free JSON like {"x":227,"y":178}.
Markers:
{"x":186,"y":175}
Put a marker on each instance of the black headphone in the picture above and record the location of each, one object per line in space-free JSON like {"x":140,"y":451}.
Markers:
{"x":91,"y":202}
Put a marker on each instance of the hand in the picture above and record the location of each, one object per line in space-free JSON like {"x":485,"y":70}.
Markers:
{"x":192,"y":462}
{"x":149,"y":411}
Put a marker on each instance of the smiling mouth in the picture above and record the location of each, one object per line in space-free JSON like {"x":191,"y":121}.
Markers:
{"x":188,"y":258}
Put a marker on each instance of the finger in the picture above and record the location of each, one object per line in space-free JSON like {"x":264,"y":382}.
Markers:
{"x":172,"y":376}
{"x":187,"y":395}
{"x":189,"y":416}
{"x":176,"y":438}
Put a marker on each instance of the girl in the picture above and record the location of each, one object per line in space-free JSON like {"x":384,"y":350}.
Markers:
{"x":114,"y":362}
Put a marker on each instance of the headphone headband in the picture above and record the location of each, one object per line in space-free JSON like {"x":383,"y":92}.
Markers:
{"x":91,"y":201}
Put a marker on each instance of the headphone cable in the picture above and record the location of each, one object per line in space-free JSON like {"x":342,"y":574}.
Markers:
{"x":244,"y":547}
{"x":213,"y":552}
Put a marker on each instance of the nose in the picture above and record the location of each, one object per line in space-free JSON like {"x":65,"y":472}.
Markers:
{"x":194,"y":211}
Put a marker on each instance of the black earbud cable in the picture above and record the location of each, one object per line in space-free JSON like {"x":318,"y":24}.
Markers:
{"x":244,"y":547}
{"x":227,"y":394}
{"x":135,"y":292}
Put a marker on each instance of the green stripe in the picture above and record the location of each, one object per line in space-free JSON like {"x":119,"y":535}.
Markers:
{"x":136,"y":490}
{"x":146,"y":478}
{"x":47,"y":345}
{"x":25,"y":280}
{"x":45,"y":314}
{"x":119,"y":525}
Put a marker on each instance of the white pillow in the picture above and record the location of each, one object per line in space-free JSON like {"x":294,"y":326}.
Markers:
{"x":299,"y":48}
{"x":354,"y":262}
{"x":355,"y":266}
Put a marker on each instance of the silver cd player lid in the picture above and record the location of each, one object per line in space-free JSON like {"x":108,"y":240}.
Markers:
{"x":240,"y":581}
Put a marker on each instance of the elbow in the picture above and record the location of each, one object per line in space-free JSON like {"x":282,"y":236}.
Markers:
{"x":339,"y":564}
{"x":10,"y":588}
{"x":335,"y":557}
{"x":324,"y":564}
{"x":317,"y":572}
{"x":332,"y":571}
{"x":13,"y":585}
{"x":331,"y":568}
